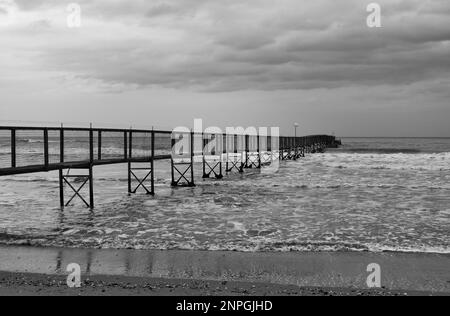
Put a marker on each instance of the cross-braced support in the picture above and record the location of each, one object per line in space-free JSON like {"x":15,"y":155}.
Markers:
{"x":295,"y":152}
{"x":236,"y":162}
{"x":182,"y":174}
{"x":299,"y":153}
{"x":212,"y":166}
{"x":211,"y":156}
{"x":275,"y":155}
{"x":288,"y":154}
{"x":133,"y":174}
{"x":302,"y":151}
{"x":253,"y":160}
{"x":182,"y":170}
{"x":266,"y":158}
{"x":76,"y":183}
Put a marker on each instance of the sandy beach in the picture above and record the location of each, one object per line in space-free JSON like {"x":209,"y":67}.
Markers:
{"x":28,"y":284}
{"x":42,"y":271}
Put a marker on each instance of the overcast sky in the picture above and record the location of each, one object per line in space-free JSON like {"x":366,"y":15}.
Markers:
{"x":230,"y":62}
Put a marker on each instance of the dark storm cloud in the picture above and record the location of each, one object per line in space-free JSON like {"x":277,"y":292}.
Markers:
{"x":235,"y":45}
{"x":160,"y":10}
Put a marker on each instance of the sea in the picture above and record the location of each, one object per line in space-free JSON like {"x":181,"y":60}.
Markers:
{"x":372,"y":194}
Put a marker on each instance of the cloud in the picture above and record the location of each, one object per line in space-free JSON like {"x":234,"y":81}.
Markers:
{"x":160,"y":10}
{"x":234,"y":45}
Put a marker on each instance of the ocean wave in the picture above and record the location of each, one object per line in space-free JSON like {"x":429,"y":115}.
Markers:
{"x":334,"y":201}
{"x":370,"y":186}
{"x":21,"y":239}
{"x":383,"y":150}
{"x":394,"y":161}
{"x":393,"y":167}
{"x":289,"y":246}
{"x":34,"y":141}
{"x":29,"y":179}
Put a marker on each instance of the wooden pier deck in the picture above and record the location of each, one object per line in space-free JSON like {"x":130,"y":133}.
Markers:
{"x":45,"y":149}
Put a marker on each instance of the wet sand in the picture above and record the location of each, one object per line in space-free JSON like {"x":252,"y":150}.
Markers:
{"x":27,"y":284}
{"x":42,"y":271}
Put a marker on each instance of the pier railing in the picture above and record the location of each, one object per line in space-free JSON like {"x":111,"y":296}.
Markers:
{"x":42,"y":149}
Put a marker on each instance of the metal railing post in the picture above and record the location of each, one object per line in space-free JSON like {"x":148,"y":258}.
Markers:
{"x":13,"y":148}
{"x":46,"y":159}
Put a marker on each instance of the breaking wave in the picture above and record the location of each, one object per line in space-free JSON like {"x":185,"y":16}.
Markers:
{"x":384,"y":150}
{"x":355,"y":199}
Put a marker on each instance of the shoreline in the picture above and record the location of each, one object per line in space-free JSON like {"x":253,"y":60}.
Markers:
{"x":306,"y":273}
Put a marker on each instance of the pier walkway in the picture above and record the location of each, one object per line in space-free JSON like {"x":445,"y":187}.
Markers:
{"x":27,"y":150}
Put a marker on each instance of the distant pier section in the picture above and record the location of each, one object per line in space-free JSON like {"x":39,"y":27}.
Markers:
{"x":74,"y":152}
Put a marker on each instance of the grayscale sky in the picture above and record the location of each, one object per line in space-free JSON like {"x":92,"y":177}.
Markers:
{"x":230,"y":62}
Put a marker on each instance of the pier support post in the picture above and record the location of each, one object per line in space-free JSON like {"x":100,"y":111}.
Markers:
{"x":91,"y":188}
{"x":282,"y":148}
{"x":267,"y":157}
{"x":132,"y":173}
{"x":81,"y":178}
{"x":252,"y":158}
{"x":258,"y":150}
{"x":61,"y":189}
{"x":238,"y":161}
{"x":204,"y":163}
{"x":235,"y":162}
{"x":214,"y":167}
{"x":247,"y":151}
{"x":289,"y":151}
{"x":181,"y":169}
{"x":192,"y":158}
{"x":215,"y":162}
{"x":241,"y":151}
{"x":303,"y":147}
{"x":295,"y":148}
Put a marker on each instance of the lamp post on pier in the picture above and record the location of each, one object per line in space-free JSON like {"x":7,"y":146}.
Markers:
{"x":295,"y":141}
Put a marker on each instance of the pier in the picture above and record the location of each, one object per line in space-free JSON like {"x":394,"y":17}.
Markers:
{"x":45,"y":149}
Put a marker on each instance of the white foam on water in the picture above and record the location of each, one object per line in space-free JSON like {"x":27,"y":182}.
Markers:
{"x":335,"y":201}
{"x":399,"y":161}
